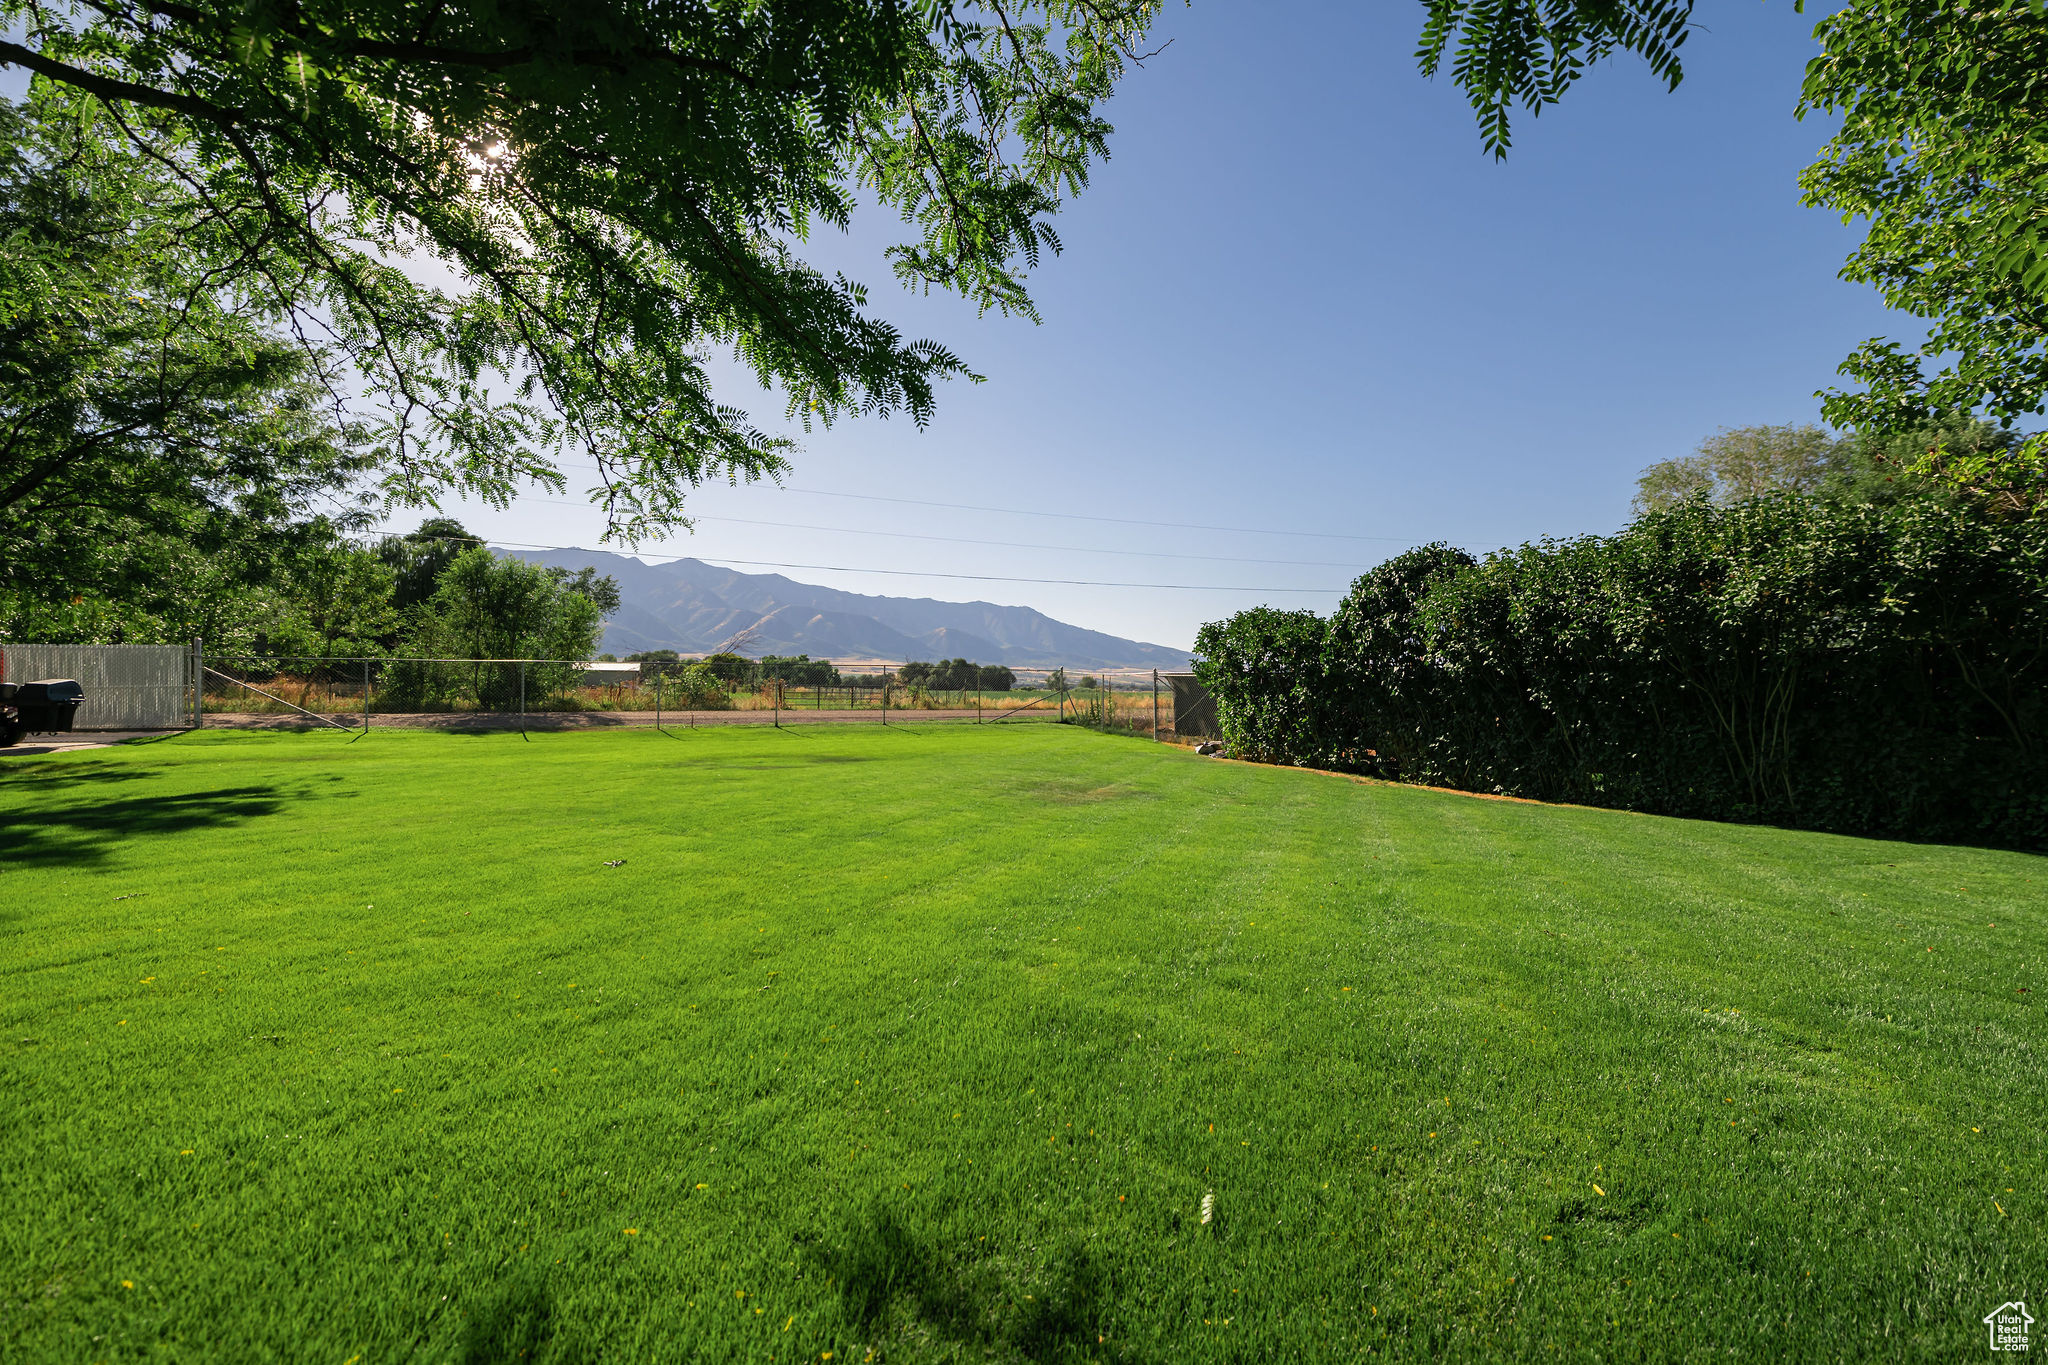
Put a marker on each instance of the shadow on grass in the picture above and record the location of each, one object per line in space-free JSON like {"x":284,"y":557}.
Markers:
{"x":888,"y":1279}
{"x":46,"y":831}
{"x":41,"y":779}
{"x":518,"y":1327}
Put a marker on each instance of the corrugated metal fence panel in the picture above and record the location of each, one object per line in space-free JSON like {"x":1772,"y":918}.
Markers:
{"x":127,"y":687}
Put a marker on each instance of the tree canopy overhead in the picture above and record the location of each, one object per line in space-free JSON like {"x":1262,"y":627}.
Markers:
{"x":1505,"y":53}
{"x":613,"y":190}
{"x":618,"y":187}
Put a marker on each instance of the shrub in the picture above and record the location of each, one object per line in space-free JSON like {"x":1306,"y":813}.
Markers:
{"x":1861,"y":668}
{"x":1264,"y":667}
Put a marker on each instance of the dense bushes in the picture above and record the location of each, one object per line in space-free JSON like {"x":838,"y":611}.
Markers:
{"x":1840,"y":666}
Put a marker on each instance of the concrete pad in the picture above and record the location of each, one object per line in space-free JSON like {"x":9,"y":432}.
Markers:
{"x":31,"y":745}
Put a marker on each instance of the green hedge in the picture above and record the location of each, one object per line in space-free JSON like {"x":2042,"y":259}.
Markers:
{"x":1871,"y":670}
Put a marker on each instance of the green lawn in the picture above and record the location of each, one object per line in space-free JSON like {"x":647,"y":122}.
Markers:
{"x":928,"y":1043}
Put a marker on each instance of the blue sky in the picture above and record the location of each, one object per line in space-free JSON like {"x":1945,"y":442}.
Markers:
{"x":1301,"y":298}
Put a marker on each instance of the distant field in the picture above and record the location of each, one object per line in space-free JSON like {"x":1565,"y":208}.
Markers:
{"x":291,"y":696}
{"x":927,"y":1043}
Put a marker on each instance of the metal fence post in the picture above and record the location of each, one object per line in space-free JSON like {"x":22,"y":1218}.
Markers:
{"x":885,"y":696}
{"x":366,"y":696}
{"x":522,"y":702}
{"x":657,"y":698}
{"x":198,"y":683}
{"x":1155,"y":705}
{"x":777,"y":695}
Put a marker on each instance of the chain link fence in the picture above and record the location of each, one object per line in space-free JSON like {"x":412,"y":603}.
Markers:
{"x":159,"y":687}
{"x":451,"y":693}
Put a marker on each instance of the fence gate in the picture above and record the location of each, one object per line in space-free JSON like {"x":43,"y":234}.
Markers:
{"x":127,"y":687}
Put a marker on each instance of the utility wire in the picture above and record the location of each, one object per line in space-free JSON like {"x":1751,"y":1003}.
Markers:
{"x":720,"y":560}
{"x":1115,"y":521}
{"x":1005,"y":578}
{"x":1068,"y":516}
{"x":996,"y":544}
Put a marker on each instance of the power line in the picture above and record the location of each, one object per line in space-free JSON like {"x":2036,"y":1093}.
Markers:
{"x":1073,"y":516}
{"x":1026,"y":545}
{"x":994,"y":544}
{"x":721,"y":560}
{"x":1115,"y":521}
{"x":1004,"y":578}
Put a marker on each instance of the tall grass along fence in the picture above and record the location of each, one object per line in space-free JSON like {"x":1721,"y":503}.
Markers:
{"x":354,"y":693}
{"x":1870,"y":670}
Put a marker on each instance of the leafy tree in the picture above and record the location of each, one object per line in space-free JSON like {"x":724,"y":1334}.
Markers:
{"x":657,"y":662}
{"x":953,"y":675}
{"x":1943,"y":137}
{"x":916,"y":673}
{"x":612,"y":186}
{"x":340,"y":601}
{"x":147,"y":420}
{"x":1975,"y":463}
{"x":218,"y":581}
{"x":615,"y":186}
{"x":492,"y":607}
{"x":419,"y":557}
{"x":1529,"y":52}
{"x":1743,"y":463}
{"x":601,"y":590}
{"x":802,"y":670}
{"x":2007,"y":481}
{"x":960,"y":675}
{"x":1954,"y":455}
{"x":728,"y":667}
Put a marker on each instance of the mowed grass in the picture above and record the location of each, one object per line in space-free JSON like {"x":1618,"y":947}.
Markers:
{"x":927,"y":1044}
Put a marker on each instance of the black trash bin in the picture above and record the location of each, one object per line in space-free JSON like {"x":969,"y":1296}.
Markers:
{"x":44,"y":706}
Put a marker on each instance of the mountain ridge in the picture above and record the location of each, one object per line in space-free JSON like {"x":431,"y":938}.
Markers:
{"x":697,"y":608}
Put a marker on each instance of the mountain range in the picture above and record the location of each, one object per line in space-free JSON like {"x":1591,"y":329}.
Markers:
{"x":697,"y":608}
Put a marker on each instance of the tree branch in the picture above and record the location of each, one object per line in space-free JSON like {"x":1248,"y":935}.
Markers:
{"x":108,"y":88}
